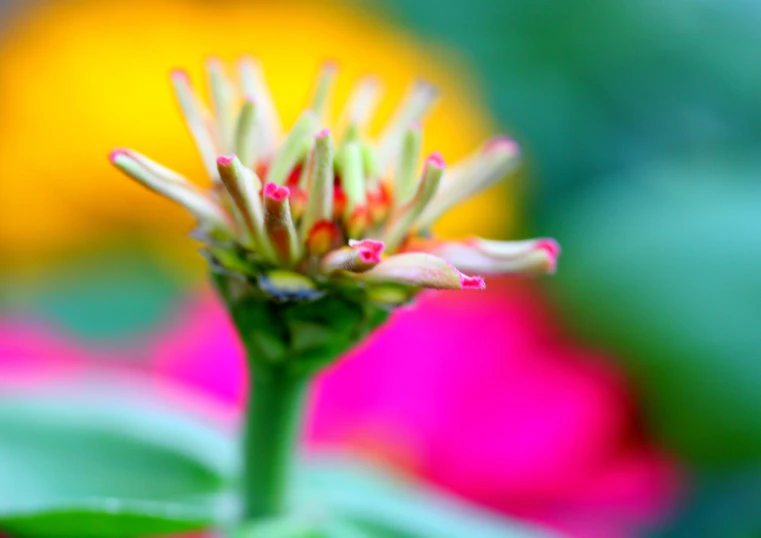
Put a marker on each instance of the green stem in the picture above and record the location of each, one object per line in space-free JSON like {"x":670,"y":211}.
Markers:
{"x":273,"y":425}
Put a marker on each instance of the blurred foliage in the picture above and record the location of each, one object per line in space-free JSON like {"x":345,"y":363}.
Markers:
{"x":85,"y":465}
{"x":641,"y":120}
{"x":594,"y":86}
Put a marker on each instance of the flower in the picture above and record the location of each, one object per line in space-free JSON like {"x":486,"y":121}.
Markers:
{"x":113,"y":90}
{"x":307,"y":211}
{"x":526,"y":421}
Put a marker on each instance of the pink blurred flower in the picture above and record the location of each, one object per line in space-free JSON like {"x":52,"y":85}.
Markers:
{"x":480,"y":394}
{"x":33,"y":354}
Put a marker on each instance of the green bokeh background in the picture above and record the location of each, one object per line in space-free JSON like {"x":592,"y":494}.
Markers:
{"x":643,"y":122}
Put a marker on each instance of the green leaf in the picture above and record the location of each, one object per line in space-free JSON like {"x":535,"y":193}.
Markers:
{"x":99,"y":518}
{"x":105,"y":467}
{"x":383,"y":505}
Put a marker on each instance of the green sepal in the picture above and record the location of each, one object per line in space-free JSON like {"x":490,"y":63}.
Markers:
{"x":301,"y":331}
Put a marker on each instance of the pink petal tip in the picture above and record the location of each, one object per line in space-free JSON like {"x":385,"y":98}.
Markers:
{"x":369,"y":256}
{"x":276,"y":192}
{"x":323,"y":134}
{"x":179,"y":74}
{"x":552,"y":248}
{"x":472,"y":282}
{"x":117,"y":153}
{"x":436,"y":159}
{"x":504,"y":144}
{"x":371,"y":245}
{"x":225,"y":160}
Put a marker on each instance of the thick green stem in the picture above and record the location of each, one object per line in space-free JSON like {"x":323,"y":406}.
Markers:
{"x":270,"y":444}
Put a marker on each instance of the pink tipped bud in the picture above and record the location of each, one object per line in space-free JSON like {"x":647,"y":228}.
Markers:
{"x":213,"y":61}
{"x":472,"y":282}
{"x":552,"y":248}
{"x":371,"y":245}
{"x":502,"y":144}
{"x":368,"y":256}
{"x":323,"y":134}
{"x":550,"y":245}
{"x":436,"y":159}
{"x":179,"y":75}
{"x":225,"y":160}
{"x":276,"y":192}
{"x":117,"y":153}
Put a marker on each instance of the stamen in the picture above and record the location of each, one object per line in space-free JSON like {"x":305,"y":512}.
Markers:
{"x":323,"y":237}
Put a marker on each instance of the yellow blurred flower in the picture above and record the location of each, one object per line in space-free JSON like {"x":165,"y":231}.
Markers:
{"x":79,"y":78}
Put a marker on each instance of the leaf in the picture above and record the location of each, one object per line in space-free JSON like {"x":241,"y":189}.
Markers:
{"x":383,"y":505}
{"x":105,"y":517}
{"x":101,"y":467}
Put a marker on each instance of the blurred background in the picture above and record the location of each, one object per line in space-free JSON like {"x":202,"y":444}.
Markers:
{"x":618,"y":398}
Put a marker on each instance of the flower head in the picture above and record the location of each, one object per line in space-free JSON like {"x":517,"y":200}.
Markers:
{"x":314,"y":209}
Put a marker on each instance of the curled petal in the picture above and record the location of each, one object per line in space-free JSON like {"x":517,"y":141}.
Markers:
{"x":421,"y":270}
{"x":533,"y":256}
{"x":173,"y":186}
{"x":496,"y":159}
{"x":358,"y":257}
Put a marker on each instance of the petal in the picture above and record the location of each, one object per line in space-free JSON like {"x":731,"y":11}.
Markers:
{"x":417,"y":102}
{"x":421,"y":270}
{"x":294,"y":148}
{"x":197,"y":118}
{"x":320,"y":202}
{"x":361,"y":103}
{"x":403,"y":219}
{"x":173,"y":186}
{"x":268,"y":129}
{"x":533,"y":256}
{"x":491,"y":164}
